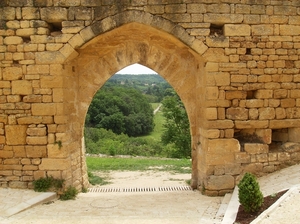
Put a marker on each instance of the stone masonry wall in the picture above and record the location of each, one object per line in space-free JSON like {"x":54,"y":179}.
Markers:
{"x":244,"y":109}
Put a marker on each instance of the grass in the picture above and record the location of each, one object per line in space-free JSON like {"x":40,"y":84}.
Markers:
{"x":159,"y":119}
{"x":96,"y":180}
{"x":138,"y":164}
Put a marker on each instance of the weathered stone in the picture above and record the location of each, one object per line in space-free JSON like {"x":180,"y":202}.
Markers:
{"x":220,"y":182}
{"x":54,"y":164}
{"x":237,"y":113}
{"x":234,"y":66}
{"x":221,"y":151}
{"x":237,"y":30}
{"x":15,"y":134}
{"x":36,"y":151}
{"x":255,"y":148}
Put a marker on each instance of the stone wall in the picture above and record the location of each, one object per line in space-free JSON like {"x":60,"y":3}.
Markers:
{"x":235,"y":65}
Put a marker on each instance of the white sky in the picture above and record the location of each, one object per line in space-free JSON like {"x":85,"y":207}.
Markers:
{"x":136,"y":69}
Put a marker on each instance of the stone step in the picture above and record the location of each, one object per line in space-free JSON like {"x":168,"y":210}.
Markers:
{"x":42,"y":198}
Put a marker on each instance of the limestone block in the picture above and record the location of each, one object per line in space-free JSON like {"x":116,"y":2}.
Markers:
{"x":221,"y":151}
{"x":219,"y":124}
{"x":265,"y":29}
{"x":263,"y":94}
{"x":217,"y":41}
{"x":256,"y":148}
{"x":199,"y":46}
{"x":211,"y":113}
{"x":280,"y":93}
{"x":220,"y":182}
{"x":36,"y":151}
{"x":54,"y":151}
{"x":283,"y":156}
{"x":19,"y":151}
{"x":18,"y":184}
{"x":43,"y":109}
{"x":55,"y":164}
{"x":68,"y":52}
{"x":13,"y":40}
{"x":218,"y":78}
{"x":196,"y":8}
{"x":51,"y":82}
{"x":36,"y":131}
{"x":26,"y":32}
{"x":15,"y":134}
{"x":30,"y":167}
{"x":212,"y":93}
{"x":294,"y":134}
{"x":289,"y":30}
{"x":11,"y":73}
{"x":242,"y":157}
{"x":237,"y":113}
{"x":36,"y":140}
{"x":22,"y":87}
{"x":253,"y":168}
{"x":251,"y":124}
{"x":212,"y":67}
{"x":54,"y":14}
{"x":253,"y":103}
{"x":39,"y":174}
{"x":222,"y":18}
{"x":265,"y":135}
{"x":37,"y":69}
{"x":280,"y":113}
{"x":72,"y":29}
{"x":266,"y":113}
{"x":216,"y":55}
{"x":30,"y":120}
{"x":252,"y":19}
{"x":287,"y":103}
{"x":49,"y":57}
{"x":233,"y":169}
{"x":294,"y":20}
{"x":155,"y":9}
{"x":295,"y":93}
{"x":237,"y":30}
{"x":295,"y":156}
{"x":6,"y":154}
{"x":210,"y":133}
{"x":235,"y":94}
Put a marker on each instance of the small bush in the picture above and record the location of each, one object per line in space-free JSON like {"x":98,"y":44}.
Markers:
{"x":43,"y":184}
{"x":250,"y":195}
{"x":69,"y":194}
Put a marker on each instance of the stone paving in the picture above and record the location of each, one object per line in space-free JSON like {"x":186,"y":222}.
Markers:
{"x":148,"y":207}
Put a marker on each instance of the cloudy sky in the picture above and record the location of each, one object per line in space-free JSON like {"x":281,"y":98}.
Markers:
{"x":136,"y":69}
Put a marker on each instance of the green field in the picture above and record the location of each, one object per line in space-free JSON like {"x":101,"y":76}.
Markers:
{"x":138,"y":164}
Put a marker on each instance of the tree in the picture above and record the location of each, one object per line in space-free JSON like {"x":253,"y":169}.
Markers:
{"x":122,"y":110}
{"x":250,"y":196}
{"x":177,"y":128}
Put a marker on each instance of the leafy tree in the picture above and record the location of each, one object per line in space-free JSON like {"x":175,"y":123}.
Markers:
{"x":177,"y":128}
{"x":122,"y":110}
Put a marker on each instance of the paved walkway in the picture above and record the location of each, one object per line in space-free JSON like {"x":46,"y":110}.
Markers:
{"x":146,"y":207}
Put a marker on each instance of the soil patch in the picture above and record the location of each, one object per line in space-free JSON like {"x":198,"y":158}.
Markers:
{"x":246,"y":218}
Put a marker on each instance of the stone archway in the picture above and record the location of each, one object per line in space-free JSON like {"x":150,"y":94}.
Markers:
{"x":132,"y":43}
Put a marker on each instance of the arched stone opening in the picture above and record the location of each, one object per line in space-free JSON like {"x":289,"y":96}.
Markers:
{"x":108,"y":53}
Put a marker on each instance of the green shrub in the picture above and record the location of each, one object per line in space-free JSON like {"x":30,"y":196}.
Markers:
{"x":250,"y":195}
{"x":43,"y":184}
{"x":69,"y":194}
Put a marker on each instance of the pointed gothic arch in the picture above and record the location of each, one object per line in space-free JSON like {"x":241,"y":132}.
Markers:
{"x":106,"y":54}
